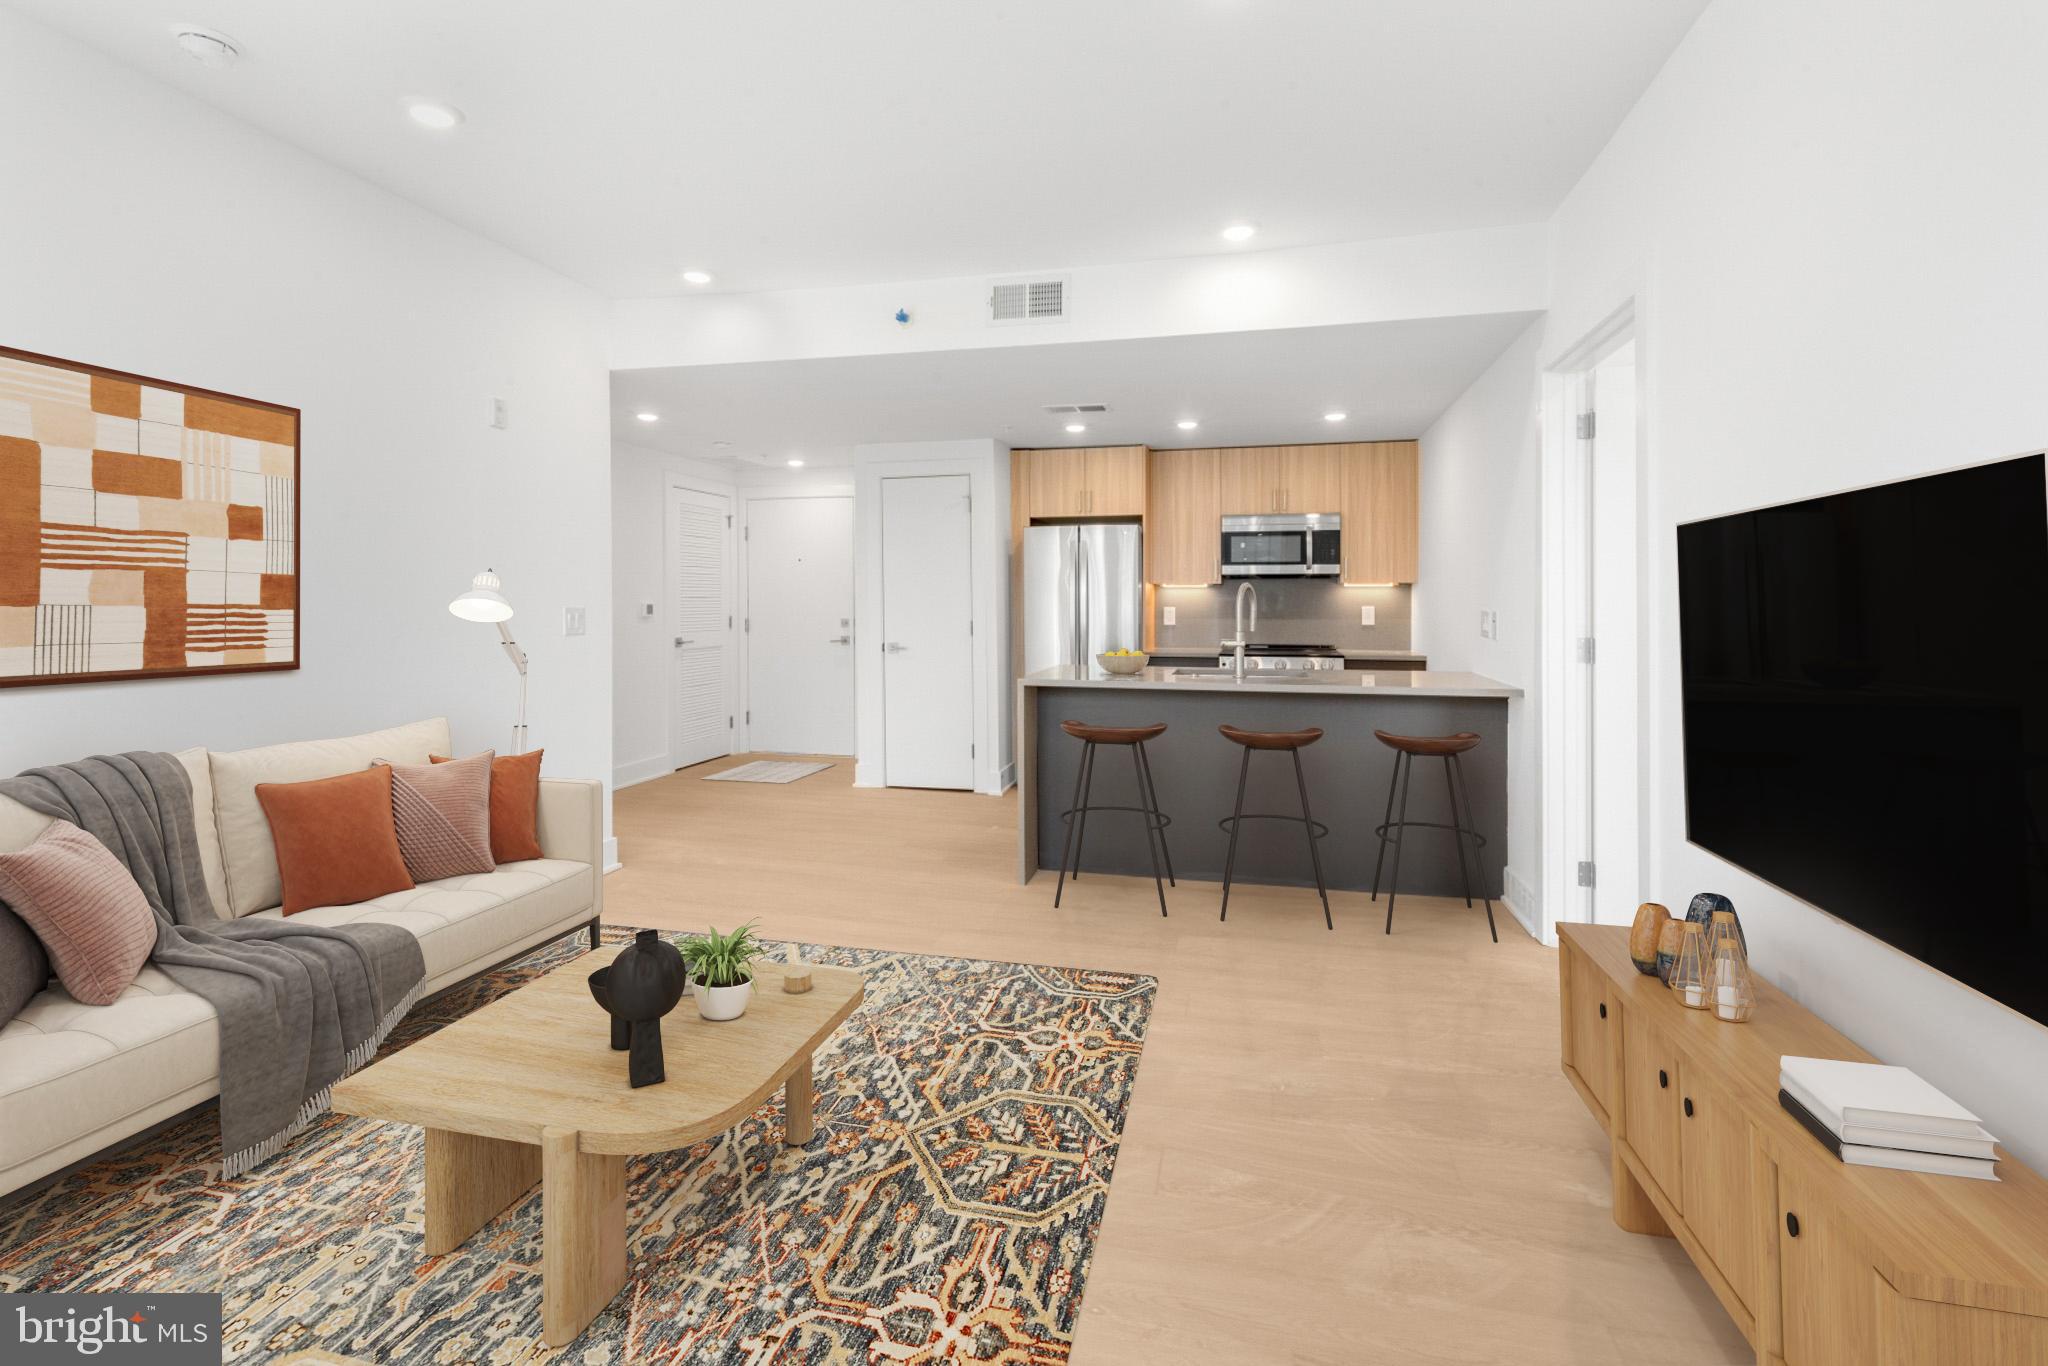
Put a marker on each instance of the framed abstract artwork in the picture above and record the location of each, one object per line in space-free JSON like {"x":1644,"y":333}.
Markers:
{"x":147,"y":529}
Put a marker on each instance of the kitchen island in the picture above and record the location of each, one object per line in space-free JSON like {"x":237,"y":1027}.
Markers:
{"x":1195,"y":771}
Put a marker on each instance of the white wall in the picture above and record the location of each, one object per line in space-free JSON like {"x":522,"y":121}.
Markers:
{"x":1481,"y":472}
{"x":146,"y":232}
{"x":986,"y":463}
{"x":1832,"y":217}
{"x":1487,"y":270}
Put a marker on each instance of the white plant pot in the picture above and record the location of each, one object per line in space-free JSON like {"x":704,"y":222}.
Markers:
{"x":723,"y":1003}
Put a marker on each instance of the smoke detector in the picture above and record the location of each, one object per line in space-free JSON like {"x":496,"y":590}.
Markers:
{"x":206,"y":46}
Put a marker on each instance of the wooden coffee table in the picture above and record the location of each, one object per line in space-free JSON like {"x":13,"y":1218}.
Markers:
{"x":528,"y":1089}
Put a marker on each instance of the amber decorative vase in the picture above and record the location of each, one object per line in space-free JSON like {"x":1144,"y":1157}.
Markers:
{"x":1670,"y":935}
{"x":1651,"y":918}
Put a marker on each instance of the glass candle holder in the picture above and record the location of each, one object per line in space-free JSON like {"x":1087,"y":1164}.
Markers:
{"x":1690,"y":976}
{"x":1733,"y":988}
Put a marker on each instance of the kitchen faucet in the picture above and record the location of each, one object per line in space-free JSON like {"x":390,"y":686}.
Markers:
{"x":1237,"y":646}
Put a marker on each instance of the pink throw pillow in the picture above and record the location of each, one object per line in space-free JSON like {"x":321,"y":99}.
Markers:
{"x":443,"y":814}
{"x":83,"y":904}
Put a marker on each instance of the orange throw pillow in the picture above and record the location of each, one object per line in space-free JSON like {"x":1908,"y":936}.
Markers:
{"x":515,"y":805}
{"x":337,"y":843}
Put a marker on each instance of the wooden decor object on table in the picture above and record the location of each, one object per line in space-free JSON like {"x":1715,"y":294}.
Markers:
{"x":527,"y":1087}
{"x":147,"y":529}
{"x":1651,"y":918}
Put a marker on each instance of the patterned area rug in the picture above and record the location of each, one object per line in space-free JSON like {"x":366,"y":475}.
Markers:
{"x":967,"y":1116}
{"x":767,"y":771}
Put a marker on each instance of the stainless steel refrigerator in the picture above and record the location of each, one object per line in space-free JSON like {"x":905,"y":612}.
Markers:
{"x":1084,"y":592}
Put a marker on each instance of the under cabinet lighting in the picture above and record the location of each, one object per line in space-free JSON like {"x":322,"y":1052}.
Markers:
{"x":1349,"y":584}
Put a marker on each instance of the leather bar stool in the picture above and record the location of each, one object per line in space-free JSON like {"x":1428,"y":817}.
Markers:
{"x":1293,"y":742}
{"x":1076,"y":816}
{"x":1407,"y":749}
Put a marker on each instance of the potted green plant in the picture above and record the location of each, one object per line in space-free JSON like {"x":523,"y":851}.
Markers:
{"x":720,"y":968}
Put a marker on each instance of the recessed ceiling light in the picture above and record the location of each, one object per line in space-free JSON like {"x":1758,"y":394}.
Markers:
{"x":207,"y":47}
{"x":1239,"y":232}
{"x":648,"y":417}
{"x":433,"y":114}
{"x":1187,"y":424}
{"x":1335,"y":417}
{"x":796,"y":464}
{"x":1077,"y":427}
{"x":696,"y":277}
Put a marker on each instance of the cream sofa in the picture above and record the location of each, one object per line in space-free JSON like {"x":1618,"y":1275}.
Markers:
{"x":75,"y":1079}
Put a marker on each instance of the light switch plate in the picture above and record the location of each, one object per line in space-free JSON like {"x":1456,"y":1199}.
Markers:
{"x":1166,"y":615}
{"x":1367,"y":614}
{"x":572,"y":621}
{"x":647,"y":610}
{"x":501,"y":418}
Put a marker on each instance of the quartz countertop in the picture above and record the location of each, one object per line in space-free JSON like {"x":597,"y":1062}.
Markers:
{"x":1320,"y":682}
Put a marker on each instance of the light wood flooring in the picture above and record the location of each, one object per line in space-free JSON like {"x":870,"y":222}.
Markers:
{"x":1344,"y":1147}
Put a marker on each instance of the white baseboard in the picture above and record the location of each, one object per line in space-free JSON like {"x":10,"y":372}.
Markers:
{"x":641,"y":771}
{"x":1007,"y":779}
{"x":1519,"y":896}
{"x":864,"y":775}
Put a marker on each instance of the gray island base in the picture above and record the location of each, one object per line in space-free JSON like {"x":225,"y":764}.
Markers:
{"x":1195,"y":771}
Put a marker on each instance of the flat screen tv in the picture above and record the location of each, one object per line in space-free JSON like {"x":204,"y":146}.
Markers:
{"x":1866,"y":712}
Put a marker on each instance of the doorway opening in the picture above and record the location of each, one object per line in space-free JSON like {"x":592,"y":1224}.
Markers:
{"x":1595,"y":561}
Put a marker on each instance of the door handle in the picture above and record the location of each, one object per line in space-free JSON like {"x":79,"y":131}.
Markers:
{"x":681,"y":641}
{"x":891,"y":647}
{"x":840,"y":640}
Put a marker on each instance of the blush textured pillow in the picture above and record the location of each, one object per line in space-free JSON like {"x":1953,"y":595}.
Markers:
{"x":443,"y":814}
{"x":84,"y":907}
{"x":336,"y":841}
{"x":515,"y":805}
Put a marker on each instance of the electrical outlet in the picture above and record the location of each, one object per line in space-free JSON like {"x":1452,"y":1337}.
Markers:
{"x":1166,"y":616}
{"x":572,"y":621}
{"x":1484,"y":628}
{"x":1492,"y":625}
{"x":1367,"y":614}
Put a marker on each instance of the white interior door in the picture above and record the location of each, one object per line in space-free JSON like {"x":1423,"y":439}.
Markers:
{"x":700,"y":606}
{"x":1616,"y":575}
{"x":926,"y":634}
{"x":800,"y":625}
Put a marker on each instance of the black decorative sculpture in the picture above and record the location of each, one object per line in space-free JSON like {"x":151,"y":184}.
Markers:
{"x":643,"y":984}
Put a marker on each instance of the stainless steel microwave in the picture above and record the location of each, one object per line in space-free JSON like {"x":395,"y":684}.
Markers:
{"x":1300,"y":545}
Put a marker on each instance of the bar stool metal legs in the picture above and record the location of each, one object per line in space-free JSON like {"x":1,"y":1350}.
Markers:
{"x":1392,"y":830}
{"x":1313,"y":829}
{"x":1076,"y":814}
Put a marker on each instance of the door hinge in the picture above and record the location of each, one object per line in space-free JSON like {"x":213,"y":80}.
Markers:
{"x":728,"y":519}
{"x":1585,"y":872}
{"x":728,"y":621}
{"x":1586,"y":425}
{"x":728,"y":723}
{"x":750,"y":716}
{"x":970,"y":626}
{"x":746,"y":626}
{"x":970,"y":751}
{"x":1585,"y":649}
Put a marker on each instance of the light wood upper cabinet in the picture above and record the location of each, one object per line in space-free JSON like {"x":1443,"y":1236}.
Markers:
{"x":1249,"y":480}
{"x":1182,"y":535}
{"x":1312,"y":478}
{"x":1084,"y":481}
{"x":1381,"y":507}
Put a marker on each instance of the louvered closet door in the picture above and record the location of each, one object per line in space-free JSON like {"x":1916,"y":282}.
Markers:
{"x":700,"y":598}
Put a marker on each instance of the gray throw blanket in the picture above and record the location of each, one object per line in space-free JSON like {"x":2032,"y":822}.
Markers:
{"x":301,"y":1006}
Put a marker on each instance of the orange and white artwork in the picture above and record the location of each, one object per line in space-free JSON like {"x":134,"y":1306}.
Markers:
{"x":146,"y":529}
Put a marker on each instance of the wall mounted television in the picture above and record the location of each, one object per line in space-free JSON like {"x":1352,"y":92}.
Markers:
{"x":1865,"y":685}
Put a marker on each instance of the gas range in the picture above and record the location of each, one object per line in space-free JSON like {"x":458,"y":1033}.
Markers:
{"x":1264,"y":656}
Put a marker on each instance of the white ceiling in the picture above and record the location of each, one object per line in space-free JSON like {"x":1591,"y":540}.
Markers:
{"x":1245,"y":388}
{"x":813,"y":142}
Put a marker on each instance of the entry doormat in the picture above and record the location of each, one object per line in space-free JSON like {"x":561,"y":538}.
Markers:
{"x":767,"y":771}
{"x":968,"y":1120}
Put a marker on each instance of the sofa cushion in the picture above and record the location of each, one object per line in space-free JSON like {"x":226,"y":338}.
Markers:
{"x":466,"y":922}
{"x":249,"y":857}
{"x":199,"y":768}
{"x":68,"y":1069}
{"x":443,"y":813}
{"x":85,"y":907}
{"x":24,"y":966}
{"x":336,"y":841}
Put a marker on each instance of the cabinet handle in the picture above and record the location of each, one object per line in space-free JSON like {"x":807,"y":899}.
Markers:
{"x":1603,"y":1010}
{"x":1688,"y":1107}
{"x":1792,"y":1224}
{"x":1663,"y":1079}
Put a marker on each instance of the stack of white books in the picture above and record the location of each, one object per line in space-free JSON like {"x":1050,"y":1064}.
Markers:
{"x":1876,"y":1116}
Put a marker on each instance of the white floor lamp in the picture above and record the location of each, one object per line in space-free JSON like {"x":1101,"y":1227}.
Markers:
{"x":483,"y":602}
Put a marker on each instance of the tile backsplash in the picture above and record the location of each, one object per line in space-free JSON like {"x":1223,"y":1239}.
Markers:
{"x":1291,"y":611}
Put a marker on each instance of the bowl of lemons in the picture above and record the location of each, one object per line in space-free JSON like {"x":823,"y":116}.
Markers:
{"x":1123,"y":661}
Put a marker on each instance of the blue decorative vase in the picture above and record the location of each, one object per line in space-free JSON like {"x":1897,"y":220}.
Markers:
{"x":1702,"y":911}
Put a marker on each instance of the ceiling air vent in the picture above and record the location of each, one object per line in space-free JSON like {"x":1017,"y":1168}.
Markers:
{"x":1028,"y":301}
{"x":1073,"y":409}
